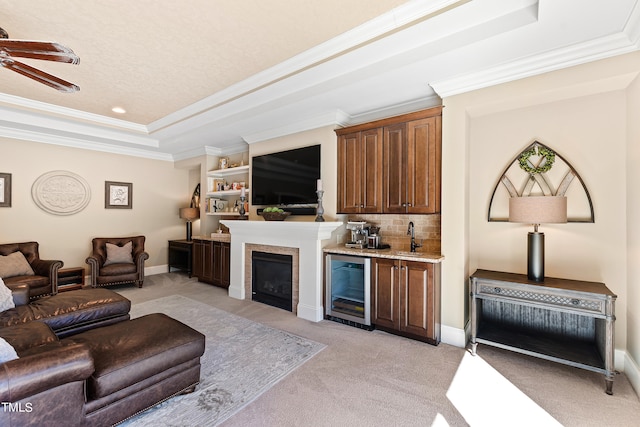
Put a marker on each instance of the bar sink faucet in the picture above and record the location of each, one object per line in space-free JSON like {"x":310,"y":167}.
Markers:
{"x":411,"y":231}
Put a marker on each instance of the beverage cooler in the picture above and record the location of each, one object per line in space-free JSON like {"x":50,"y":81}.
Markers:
{"x":348,"y":290}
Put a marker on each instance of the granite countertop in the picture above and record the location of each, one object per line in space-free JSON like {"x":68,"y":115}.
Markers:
{"x":387,"y":253}
{"x":215,"y":237}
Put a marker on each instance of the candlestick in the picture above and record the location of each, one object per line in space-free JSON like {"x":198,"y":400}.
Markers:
{"x":320,"y":209}
{"x":242,"y":200}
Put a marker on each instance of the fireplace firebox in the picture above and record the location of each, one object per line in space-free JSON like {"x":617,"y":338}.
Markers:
{"x":271,"y":279}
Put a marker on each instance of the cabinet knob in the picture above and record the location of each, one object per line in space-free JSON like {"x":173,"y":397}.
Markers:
{"x":497,"y":290}
{"x":404,"y":205}
{"x":409,"y":204}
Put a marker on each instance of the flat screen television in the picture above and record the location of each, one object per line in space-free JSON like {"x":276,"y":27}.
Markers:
{"x":286,"y":178}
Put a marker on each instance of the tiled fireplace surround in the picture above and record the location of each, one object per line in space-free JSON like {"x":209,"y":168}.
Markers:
{"x":304,"y":241}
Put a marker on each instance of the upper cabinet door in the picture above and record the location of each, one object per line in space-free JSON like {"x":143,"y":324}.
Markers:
{"x":360,"y":172}
{"x":395,"y":169}
{"x":423,"y":165}
{"x":371,"y":165}
{"x":349,"y":174}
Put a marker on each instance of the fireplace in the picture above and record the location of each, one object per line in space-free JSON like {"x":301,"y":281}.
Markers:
{"x":272,"y":279}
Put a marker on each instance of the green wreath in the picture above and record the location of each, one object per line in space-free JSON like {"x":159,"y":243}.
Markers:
{"x":549,"y":156}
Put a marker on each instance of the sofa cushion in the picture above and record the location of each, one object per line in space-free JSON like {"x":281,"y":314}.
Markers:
{"x":6,"y":297}
{"x":129,"y":352}
{"x":25,"y":337}
{"x":66,"y":309}
{"x":15,"y":264}
{"x":119,"y":254}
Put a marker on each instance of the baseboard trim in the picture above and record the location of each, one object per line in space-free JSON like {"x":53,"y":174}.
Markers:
{"x":156,"y":269}
{"x":453,"y":336}
{"x":630,"y":369}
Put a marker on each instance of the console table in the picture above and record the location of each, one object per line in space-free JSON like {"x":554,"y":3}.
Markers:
{"x":70,"y":279}
{"x":565,"y":321}
{"x":181,"y":255}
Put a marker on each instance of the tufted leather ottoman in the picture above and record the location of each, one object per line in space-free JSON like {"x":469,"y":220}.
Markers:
{"x":138,"y":364}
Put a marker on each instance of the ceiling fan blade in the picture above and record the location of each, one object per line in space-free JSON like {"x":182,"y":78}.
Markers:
{"x":38,"y":75}
{"x":47,"y":51}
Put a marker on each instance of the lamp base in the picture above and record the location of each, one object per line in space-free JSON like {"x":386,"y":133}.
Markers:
{"x":188,"y":231}
{"x":535,"y":256}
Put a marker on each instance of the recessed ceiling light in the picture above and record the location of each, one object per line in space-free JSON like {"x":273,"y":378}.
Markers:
{"x":118,"y":110}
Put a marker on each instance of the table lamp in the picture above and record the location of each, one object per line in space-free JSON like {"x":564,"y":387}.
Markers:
{"x":189,"y":214}
{"x":537,"y":210}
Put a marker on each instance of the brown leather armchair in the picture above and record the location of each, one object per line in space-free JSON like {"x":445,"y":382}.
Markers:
{"x":115,"y":273}
{"x":44,"y":281}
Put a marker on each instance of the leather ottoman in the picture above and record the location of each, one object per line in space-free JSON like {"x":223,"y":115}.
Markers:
{"x":138,"y":364}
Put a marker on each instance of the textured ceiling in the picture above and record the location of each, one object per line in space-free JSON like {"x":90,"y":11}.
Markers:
{"x":210,"y":76}
{"x":155,"y":57}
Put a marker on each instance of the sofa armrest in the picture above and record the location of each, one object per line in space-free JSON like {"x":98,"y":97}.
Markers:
{"x":20,"y":294}
{"x":35,"y":373}
{"x":48,"y":268}
{"x":139,"y":261}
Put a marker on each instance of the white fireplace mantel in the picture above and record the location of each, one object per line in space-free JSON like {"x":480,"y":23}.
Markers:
{"x":306,"y":236}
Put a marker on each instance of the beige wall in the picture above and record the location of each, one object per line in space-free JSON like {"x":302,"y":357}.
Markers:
{"x":159,"y":190}
{"x":633,"y":221}
{"x":326,"y":137}
{"x":582,"y":113}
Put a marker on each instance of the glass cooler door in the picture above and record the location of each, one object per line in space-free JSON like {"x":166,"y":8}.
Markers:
{"x":348,"y":288}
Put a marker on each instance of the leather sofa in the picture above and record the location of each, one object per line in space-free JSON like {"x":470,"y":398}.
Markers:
{"x":99,"y":376}
{"x":44,"y":281}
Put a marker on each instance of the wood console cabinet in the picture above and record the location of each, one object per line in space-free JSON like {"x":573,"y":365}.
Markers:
{"x":211,"y":262}
{"x":406,"y":298}
{"x":391,"y":165}
{"x":565,"y":321}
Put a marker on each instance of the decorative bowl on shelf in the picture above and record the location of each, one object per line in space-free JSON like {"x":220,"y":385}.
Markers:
{"x":275,"y":216}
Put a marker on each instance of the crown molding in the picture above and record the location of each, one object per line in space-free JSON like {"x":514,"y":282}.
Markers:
{"x":43,"y":107}
{"x":211,"y":151}
{"x":593,"y":50}
{"x":83,"y":143}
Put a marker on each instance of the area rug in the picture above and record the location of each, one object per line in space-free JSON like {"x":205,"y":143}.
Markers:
{"x":242,"y":360}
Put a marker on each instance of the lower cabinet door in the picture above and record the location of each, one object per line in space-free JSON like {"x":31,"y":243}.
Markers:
{"x":385,"y":293}
{"x":416,"y":292}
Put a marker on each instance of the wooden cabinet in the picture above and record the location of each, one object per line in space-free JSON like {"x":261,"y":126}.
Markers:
{"x":360,"y":172}
{"x":211,"y":262}
{"x":406,"y":298}
{"x":70,"y":279}
{"x":391,"y":165}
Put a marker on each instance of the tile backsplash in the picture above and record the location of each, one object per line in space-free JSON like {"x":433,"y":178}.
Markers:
{"x":393,"y":229}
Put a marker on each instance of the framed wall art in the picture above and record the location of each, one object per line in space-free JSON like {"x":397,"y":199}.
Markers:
{"x":118,"y":195}
{"x":5,"y":190}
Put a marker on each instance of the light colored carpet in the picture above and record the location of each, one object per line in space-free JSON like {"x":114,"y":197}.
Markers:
{"x":242,"y":360}
{"x":373,"y":379}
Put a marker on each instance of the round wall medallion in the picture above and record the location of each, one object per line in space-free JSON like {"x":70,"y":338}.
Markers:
{"x":61,"y":193}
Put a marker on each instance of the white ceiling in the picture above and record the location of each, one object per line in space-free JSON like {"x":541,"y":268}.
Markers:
{"x":208,"y":76}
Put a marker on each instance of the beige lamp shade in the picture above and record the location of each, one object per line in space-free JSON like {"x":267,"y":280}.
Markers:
{"x":189,"y":213}
{"x":538,"y":209}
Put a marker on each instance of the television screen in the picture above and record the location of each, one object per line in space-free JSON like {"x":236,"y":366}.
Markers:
{"x":286,"y":178}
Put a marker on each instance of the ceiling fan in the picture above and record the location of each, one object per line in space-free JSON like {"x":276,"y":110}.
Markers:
{"x":47,"y":51}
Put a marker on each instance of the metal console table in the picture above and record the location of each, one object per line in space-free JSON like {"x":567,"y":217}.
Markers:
{"x":565,"y":321}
